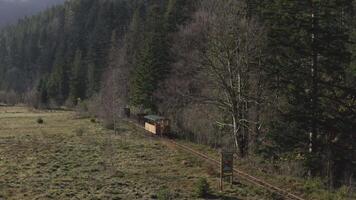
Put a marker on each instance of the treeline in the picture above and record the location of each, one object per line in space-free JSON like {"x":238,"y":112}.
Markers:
{"x":64,"y":51}
{"x":57,"y":49}
{"x":273,"y":79}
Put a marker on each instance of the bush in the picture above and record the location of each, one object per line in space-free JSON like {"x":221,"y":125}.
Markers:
{"x":69,"y":103}
{"x":79,"y":131}
{"x":108,"y":124}
{"x":202,"y":188}
{"x":40,"y":121}
{"x":10,"y":97}
{"x":312,"y":185}
{"x":93,"y":120}
{"x":212,"y":171}
{"x":31,"y":98}
{"x":82,"y":109}
{"x":164,"y":194}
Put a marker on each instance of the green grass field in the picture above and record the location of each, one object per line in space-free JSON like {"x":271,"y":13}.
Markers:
{"x":71,"y":158}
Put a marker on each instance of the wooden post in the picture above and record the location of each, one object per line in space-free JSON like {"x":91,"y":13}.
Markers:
{"x":226,"y":168}
{"x":232,"y":176}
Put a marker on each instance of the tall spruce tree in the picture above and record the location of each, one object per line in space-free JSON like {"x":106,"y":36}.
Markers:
{"x":78,"y":78}
{"x":177,"y":12}
{"x":134,"y":37}
{"x":308,"y":42}
{"x":58,"y":83}
{"x":42,"y":92}
{"x":152,"y":64}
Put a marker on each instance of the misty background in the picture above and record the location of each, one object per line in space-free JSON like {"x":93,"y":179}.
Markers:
{"x":13,"y":10}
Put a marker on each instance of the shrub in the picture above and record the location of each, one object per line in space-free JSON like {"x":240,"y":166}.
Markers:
{"x":164,"y":194}
{"x":79,"y":131}
{"x":40,"y":121}
{"x":212,"y":171}
{"x":69,"y":103}
{"x":93,"y":120}
{"x":31,"y":98}
{"x":82,"y":109}
{"x":342,"y":193}
{"x":312,"y":185}
{"x":108,"y":124}
{"x":202,"y":188}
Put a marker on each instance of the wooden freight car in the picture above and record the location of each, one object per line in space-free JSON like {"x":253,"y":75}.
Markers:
{"x":157,"y":125}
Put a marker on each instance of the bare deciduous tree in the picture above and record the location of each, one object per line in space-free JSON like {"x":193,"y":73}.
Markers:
{"x":230,"y":61}
{"x":114,"y":93}
{"x":219,"y":57}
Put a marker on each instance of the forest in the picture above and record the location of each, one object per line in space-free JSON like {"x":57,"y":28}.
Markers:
{"x":12,"y":10}
{"x":273,"y":80}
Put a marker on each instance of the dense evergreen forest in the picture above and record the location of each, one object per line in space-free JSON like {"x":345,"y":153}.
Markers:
{"x":275,"y":79}
{"x":12,"y":10}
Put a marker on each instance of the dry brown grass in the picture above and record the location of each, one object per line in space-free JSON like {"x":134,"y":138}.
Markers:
{"x":53,"y":161}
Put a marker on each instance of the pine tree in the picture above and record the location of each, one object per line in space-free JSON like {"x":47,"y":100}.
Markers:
{"x":134,"y":37}
{"x":308,"y":44}
{"x":42,"y":92}
{"x":152,"y":64}
{"x":92,"y":83}
{"x":58,"y":83}
{"x":78,"y":79}
{"x":93,"y":78}
{"x":177,"y":12}
{"x":144,"y":80}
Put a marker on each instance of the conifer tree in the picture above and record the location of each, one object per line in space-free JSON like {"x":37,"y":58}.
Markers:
{"x":42,"y":92}
{"x":134,"y":37}
{"x":78,"y":78}
{"x":308,"y":44}
{"x":177,"y":12}
{"x":58,"y":86}
{"x":152,"y":64}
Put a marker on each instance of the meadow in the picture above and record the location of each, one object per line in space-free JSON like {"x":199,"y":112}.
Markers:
{"x":68,"y":157}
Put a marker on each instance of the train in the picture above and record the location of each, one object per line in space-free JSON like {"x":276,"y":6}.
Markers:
{"x":157,"y":125}
{"x":154,"y":124}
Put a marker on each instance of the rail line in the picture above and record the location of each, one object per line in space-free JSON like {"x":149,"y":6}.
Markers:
{"x":241,"y":174}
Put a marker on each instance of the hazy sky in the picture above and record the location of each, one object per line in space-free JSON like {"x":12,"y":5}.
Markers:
{"x":12,"y":10}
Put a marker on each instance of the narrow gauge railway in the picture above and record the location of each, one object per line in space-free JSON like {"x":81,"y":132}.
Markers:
{"x":243,"y":175}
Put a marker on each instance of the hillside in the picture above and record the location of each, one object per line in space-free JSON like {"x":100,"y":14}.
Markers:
{"x":12,"y":10}
{"x":272,"y":81}
{"x":48,"y":43}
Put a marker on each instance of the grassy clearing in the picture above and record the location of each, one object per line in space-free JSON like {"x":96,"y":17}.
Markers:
{"x":70,"y":158}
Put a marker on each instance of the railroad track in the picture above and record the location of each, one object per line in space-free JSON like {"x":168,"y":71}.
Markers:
{"x":241,"y":174}
{"x":247,"y":177}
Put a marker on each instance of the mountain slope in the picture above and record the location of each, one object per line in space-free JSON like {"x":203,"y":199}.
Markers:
{"x":48,"y":42}
{"x":64,"y":51}
{"x":12,"y":10}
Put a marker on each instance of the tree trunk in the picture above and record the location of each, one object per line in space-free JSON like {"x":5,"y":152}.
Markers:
{"x":235,"y":132}
{"x":314,"y":92}
{"x":239,"y":137}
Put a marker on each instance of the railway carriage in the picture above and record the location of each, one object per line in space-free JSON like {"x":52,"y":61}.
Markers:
{"x":157,"y":125}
